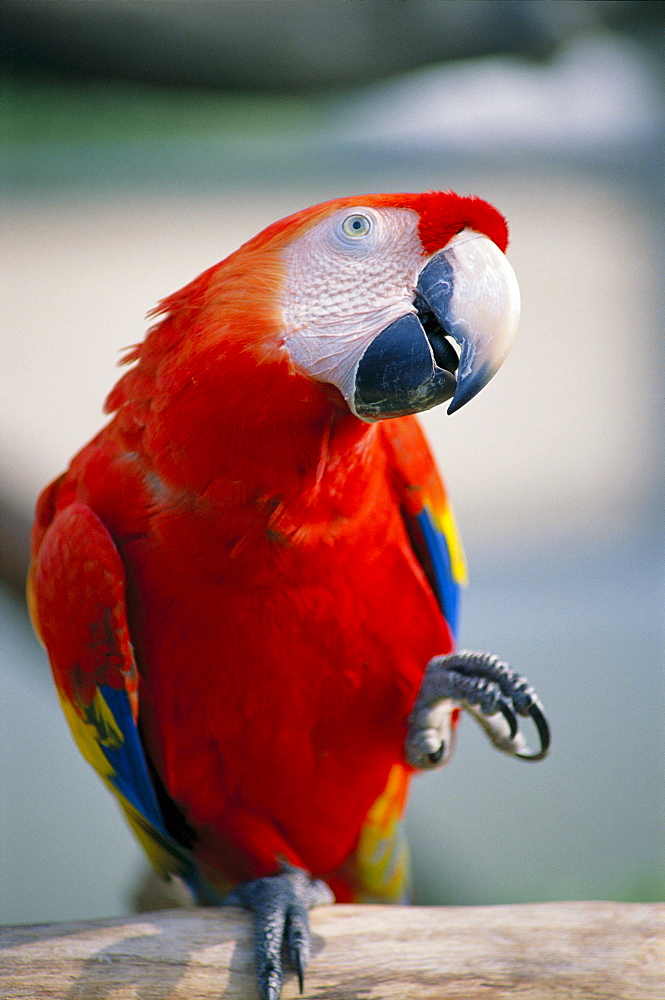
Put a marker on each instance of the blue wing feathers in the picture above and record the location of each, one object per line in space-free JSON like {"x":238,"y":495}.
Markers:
{"x":127,"y":759}
{"x":447,"y":589}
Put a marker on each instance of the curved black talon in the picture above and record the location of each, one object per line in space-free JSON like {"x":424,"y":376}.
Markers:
{"x":280,"y":904}
{"x":490,"y":691}
{"x":486,"y":672}
{"x":543,"y":728}
{"x":510,"y":718}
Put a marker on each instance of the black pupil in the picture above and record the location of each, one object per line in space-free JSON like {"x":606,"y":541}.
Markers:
{"x":357,"y":223}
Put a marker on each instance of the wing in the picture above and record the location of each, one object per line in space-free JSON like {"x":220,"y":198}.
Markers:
{"x":427,"y":514}
{"x":382,"y":855}
{"x":76,"y":590}
{"x":383,"y":873}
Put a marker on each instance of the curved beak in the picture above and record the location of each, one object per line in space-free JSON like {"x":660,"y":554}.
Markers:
{"x":466,"y":293}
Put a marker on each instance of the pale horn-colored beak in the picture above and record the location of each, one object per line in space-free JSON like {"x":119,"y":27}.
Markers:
{"x":472,"y":291}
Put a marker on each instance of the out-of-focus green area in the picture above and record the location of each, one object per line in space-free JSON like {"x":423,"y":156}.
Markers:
{"x":57,"y":132}
{"x":39,"y":109}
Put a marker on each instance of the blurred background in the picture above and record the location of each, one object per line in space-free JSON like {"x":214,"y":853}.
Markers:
{"x":143,"y":141}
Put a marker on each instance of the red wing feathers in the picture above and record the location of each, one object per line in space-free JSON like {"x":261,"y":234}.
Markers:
{"x":77,"y":596}
{"x":427,"y":514}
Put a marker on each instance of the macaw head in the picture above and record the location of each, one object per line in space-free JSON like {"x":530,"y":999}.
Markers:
{"x":400,"y":301}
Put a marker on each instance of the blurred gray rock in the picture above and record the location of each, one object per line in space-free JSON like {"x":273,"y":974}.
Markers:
{"x":292,"y":44}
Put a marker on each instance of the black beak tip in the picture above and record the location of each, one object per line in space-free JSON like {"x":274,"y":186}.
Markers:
{"x":469,"y":385}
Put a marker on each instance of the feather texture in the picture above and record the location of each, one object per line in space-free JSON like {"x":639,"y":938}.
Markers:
{"x":240,"y":583}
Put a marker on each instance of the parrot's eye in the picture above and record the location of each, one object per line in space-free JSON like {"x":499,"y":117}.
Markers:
{"x":356,"y":225}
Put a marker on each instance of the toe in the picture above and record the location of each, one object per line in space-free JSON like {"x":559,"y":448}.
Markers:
{"x":281,"y":905}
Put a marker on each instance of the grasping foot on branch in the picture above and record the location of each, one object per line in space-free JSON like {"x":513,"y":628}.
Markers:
{"x":280,"y":904}
{"x":489,"y":690}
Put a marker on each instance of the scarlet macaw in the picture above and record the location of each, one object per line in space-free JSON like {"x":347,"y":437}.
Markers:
{"x":247,"y":583}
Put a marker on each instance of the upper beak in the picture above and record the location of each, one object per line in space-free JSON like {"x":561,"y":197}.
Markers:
{"x":466,"y":292}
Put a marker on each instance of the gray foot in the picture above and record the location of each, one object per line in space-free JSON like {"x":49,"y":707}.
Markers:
{"x":280,"y":904}
{"x":489,"y":690}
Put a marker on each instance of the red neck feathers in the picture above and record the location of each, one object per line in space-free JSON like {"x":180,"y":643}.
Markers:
{"x":214,"y":396}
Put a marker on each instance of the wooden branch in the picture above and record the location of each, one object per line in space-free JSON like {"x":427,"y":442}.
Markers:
{"x":538,"y":951}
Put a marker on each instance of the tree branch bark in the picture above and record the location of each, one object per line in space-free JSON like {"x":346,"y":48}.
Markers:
{"x":540,"y":951}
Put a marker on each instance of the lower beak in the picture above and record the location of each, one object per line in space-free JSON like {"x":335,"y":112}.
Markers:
{"x":466,"y":293}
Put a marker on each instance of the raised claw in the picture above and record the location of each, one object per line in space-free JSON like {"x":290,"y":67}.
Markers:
{"x":280,"y":904}
{"x":489,"y":690}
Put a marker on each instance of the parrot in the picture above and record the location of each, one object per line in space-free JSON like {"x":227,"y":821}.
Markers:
{"x":248,"y":583}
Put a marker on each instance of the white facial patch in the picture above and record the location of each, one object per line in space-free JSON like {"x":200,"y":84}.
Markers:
{"x":347,"y":279}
